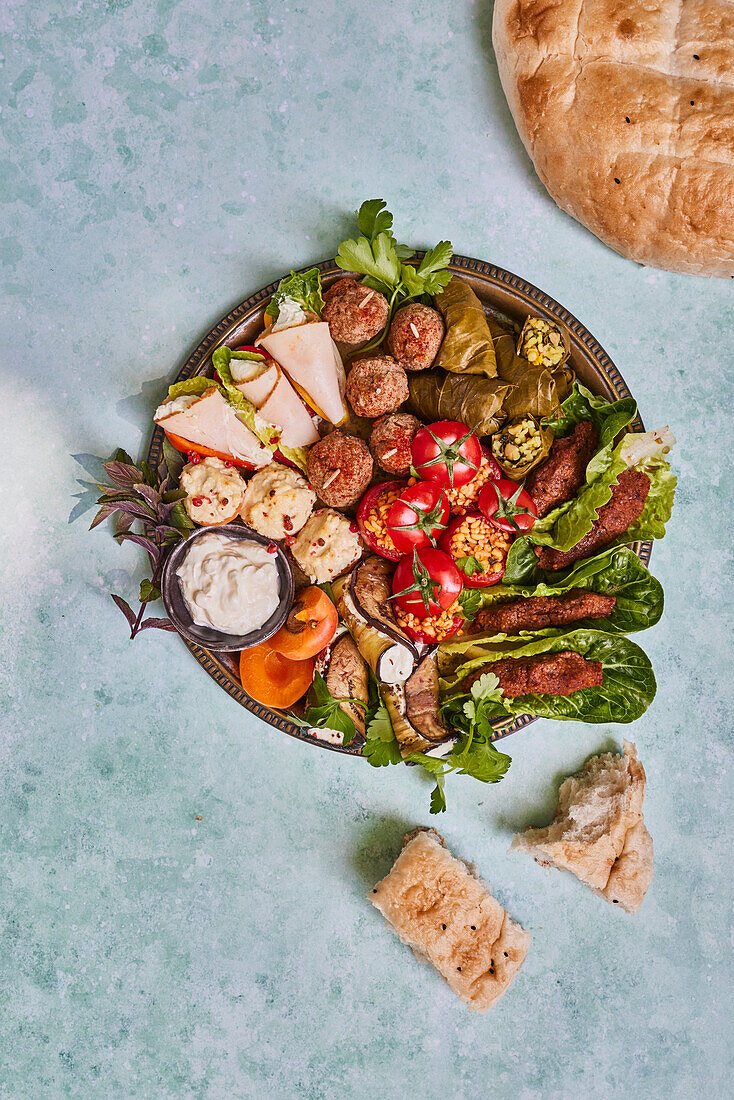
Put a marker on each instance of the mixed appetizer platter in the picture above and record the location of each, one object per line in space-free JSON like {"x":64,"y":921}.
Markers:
{"x":399,"y":517}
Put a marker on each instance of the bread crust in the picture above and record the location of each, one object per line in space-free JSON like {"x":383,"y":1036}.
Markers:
{"x":597,"y":832}
{"x":626,"y":108}
{"x":437,"y":906}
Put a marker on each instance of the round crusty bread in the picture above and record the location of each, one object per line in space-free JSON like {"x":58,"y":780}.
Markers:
{"x":626,"y":108}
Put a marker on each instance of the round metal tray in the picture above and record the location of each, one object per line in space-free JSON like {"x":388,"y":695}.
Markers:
{"x":498,"y":290}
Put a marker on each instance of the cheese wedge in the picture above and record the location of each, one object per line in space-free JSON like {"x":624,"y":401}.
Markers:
{"x":210,"y":422}
{"x":311,"y":360}
{"x":287,"y":412}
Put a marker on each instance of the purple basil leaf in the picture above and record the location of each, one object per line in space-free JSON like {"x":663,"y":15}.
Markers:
{"x":151,"y":495}
{"x":126,"y":609}
{"x":120,"y":473}
{"x":156,"y":624}
{"x":137,"y":511}
{"x":105,"y":511}
{"x":149,"y":546}
{"x":123,"y":523}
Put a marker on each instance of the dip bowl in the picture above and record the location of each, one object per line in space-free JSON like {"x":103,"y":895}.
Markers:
{"x":215,"y":640}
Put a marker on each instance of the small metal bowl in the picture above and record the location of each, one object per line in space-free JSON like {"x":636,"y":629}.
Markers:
{"x":215,"y":640}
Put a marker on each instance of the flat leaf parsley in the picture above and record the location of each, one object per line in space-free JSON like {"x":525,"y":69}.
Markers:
{"x":382,"y":261}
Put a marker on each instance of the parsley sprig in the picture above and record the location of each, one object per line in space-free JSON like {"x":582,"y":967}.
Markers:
{"x":470,"y":565}
{"x":381,"y":745}
{"x":382,"y":261}
{"x":475,"y":754}
{"x":325,"y":712}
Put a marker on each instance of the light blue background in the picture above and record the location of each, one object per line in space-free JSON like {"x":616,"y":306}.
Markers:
{"x":160,"y":161}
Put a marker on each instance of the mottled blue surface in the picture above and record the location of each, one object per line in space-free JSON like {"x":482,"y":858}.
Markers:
{"x":182,"y":909}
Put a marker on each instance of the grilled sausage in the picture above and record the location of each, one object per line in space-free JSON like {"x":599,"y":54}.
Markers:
{"x":564,"y":471}
{"x":538,"y":612}
{"x":620,"y":512}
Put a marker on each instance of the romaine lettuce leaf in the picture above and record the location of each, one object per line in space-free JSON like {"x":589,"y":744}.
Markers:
{"x":615,"y":572}
{"x":266,"y":433}
{"x":302,"y":288}
{"x":576,"y":519}
{"x":626,"y":693}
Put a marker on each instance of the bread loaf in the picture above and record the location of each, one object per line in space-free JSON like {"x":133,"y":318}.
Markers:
{"x":626,"y":108}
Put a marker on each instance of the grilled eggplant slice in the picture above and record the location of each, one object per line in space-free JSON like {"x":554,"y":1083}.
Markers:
{"x":347,"y":678}
{"x":421,"y":700}
{"x":388,"y":652}
{"x":409,"y":738}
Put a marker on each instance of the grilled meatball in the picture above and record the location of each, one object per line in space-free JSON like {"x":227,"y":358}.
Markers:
{"x":391,"y":441}
{"x":353,"y":312}
{"x":625,"y":506}
{"x":538,"y":612}
{"x":339,"y":469}
{"x":376,"y":386}
{"x":415,"y":336}
{"x":548,"y":674}
{"x":564,"y":471}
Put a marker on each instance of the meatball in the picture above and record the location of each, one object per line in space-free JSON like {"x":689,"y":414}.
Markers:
{"x":391,"y":441}
{"x":376,"y":386}
{"x":340,"y":469}
{"x":415,"y":336}
{"x":353,"y":312}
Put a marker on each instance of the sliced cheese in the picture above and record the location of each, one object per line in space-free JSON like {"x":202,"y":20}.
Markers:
{"x":311,"y":360}
{"x":287,"y":412}
{"x":211,"y":422}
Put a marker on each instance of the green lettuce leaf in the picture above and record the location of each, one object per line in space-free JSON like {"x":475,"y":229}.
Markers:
{"x":266,"y":433}
{"x":626,"y":693}
{"x":608,"y":417}
{"x":615,"y":572}
{"x":576,"y":519}
{"x":191,"y":387}
{"x":303,"y":288}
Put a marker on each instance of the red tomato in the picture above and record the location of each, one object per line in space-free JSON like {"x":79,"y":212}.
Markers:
{"x":507,"y":506}
{"x":447,"y":452}
{"x":426,"y":583}
{"x":184,"y":446}
{"x":495,"y":470}
{"x":251,"y":347}
{"x":477,"y":568}
{"x":418,"y":516}
{"x":372,"y":518}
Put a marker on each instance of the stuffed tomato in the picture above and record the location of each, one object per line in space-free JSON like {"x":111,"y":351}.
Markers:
{"x":478,"y":549}
{"x":426,"y":588}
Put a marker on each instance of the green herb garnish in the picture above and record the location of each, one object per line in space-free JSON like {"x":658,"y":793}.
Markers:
{"x":381,"y":260}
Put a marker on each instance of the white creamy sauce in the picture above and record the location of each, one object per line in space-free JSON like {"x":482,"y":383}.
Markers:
{"x":331,"y":737}
{"x":289,"y":314}
{"x":178,"y":405}
{"x":229,"y":584}
{"x":396,"y":665}
{"x":443,"y":749}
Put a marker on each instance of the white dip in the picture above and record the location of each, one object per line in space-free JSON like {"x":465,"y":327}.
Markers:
{"x":229,"y":584}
